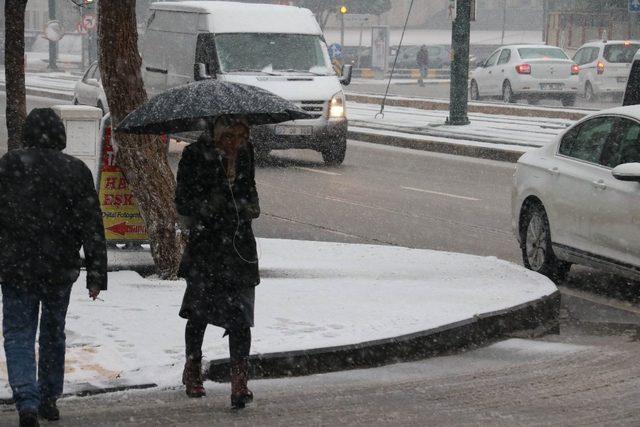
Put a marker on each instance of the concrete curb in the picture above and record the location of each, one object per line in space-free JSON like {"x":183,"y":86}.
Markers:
{"x":95,"y":391}
{"x":530,"y":319}
{"x":425,"y":144}
{"x":432,"y":104}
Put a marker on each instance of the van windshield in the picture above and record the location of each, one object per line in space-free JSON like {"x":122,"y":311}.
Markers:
{"x":272,"y":53}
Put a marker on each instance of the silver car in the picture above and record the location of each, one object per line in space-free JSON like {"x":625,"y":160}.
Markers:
{"x":89,"y":90}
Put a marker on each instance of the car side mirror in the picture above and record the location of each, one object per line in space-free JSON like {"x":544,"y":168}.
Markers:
{"x":347,"y":72}
{"x":627,"y":172}
{"x":92,"y":82}
{"x":200,"y":72}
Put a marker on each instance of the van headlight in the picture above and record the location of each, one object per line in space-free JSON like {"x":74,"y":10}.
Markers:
{"x":337,"y":108}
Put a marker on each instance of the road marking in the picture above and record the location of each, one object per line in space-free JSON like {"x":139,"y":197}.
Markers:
{"x":437,"y":193}
{"x":318,"y":171}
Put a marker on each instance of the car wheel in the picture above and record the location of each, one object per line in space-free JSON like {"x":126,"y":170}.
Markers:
{"x":589,"y":95}
{"x":101,"y":107}
{"x":568,"y":101}
{"x":474,"y":93}
{"x":537,"y":252}
{"x":507,"y":93}
{"x":334,"y":154}
{"x":75,"y":101}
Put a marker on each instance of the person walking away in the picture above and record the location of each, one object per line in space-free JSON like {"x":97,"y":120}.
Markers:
{"x":217,"y":199}
{"x":49,"y":209}
{"x":422,"y":58}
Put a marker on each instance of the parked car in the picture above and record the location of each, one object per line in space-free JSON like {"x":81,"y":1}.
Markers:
{"x":632,"y":91}
{"x":577,"y":200}
{"x":533,"y":72}
{"x":604,"y":67}
{"x":89,"y":90}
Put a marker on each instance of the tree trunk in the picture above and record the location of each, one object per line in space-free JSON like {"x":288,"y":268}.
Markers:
{"x":142,"y":158}
{"x":14,"y":70}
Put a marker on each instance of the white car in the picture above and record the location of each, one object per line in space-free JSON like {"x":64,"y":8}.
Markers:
{"x":604,"y":67}
{"x":89,"y":90}
{"x":526,"y":71}
{"x":577,"y":200}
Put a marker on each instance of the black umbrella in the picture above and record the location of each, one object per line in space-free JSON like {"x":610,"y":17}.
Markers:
{"x":185,"y":108}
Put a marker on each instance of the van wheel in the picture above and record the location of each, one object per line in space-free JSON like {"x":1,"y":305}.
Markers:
{"x":537,"y":252}
{"x":101,"y":107}
{"x":334,"y":154}
{"x":507,"y":93}
{"x":75,"y":101}
{"x":474,"y":93}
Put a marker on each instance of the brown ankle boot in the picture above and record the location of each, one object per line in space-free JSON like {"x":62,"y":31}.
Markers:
{"x":240,"y":393}
{"x":192,"y":378}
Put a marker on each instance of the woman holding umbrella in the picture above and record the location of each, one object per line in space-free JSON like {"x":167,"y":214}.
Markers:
{"x":216,"y":193}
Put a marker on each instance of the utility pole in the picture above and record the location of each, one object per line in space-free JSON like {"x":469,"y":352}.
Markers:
{"x":53,"y":46}
{"x":459,"y":93}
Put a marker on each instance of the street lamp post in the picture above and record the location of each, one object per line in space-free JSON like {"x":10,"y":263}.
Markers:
{"x":343,"y":11}
{"x":459,"y":93}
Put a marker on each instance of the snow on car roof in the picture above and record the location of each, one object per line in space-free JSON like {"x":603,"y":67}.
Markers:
{"x":232,"y":17}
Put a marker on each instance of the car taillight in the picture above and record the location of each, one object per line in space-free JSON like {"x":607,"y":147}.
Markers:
{"x":600,"y":67}
{"x":523,"y":69}
{"x":575,"y":69}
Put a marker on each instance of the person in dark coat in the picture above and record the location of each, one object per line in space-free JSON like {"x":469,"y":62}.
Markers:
{"x":217,"y":198}
{"x":49,"y":209}
{"x":422,"y":59}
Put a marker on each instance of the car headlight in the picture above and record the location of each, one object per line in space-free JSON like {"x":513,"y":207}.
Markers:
{"x":337,"y":108}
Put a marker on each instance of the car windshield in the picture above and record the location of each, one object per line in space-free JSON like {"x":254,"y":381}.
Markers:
{"x":271,"y":53}
{"x":541,"y":53}
{"x":620,"y":53}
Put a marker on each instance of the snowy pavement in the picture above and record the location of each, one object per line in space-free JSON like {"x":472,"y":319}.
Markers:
{"x":518,"y":133}
{"x":313,"y":295}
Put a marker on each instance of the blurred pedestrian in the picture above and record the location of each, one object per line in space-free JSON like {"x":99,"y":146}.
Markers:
{"x":49,"y":209}
{"x":422,"y":59}
{"x":217,"y":198}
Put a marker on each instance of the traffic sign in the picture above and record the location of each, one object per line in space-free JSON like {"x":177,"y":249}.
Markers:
{"x":634,"y":6}
{"x":88,"y":21}
{"x":335,"y":50}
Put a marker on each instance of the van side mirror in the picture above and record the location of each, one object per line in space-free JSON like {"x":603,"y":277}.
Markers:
{"x":627,"y":172}
{"x":347,"y":72}
{"x":200,"y":72}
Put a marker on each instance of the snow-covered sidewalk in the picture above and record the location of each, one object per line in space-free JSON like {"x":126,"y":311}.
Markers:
{"x":517,"y":133}
{"x":313,"y":295}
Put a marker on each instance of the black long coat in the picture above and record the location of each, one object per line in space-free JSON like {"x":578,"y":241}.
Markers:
{"x":220,"y":262}
{"x":49,"y":209}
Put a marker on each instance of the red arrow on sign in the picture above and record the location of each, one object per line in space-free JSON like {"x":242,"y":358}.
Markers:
{"x":123,"y":228}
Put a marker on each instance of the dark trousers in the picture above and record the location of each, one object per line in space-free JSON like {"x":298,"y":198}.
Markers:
{"x":239,"y":341}
{"x":20,"y":309}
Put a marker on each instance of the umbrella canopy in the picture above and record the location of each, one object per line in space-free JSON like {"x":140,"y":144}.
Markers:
{"x":185,"y":108}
